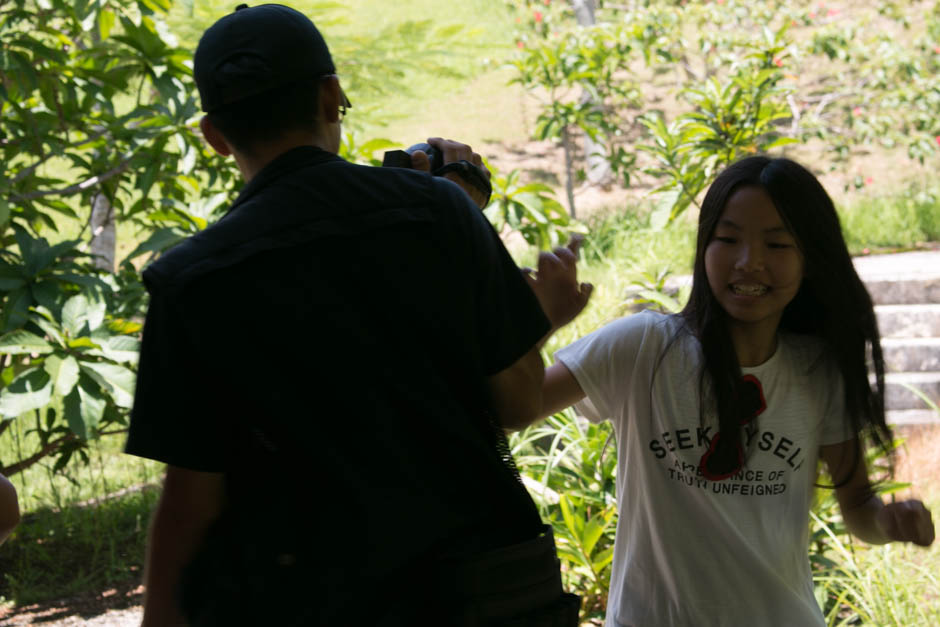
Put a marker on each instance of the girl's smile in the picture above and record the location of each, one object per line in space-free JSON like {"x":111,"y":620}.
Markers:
{"x":753,"y":264}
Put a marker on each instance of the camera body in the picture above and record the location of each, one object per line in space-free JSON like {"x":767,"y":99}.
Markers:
{"x":402,"y":158}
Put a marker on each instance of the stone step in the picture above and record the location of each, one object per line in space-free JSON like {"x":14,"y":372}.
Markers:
{"x":912,"y":417}
{"x":909,"y":320}
{"x":911,"y":354}
{"x":898,"y":396}
{"x":902,"y":278}
{"x":903,"y":291}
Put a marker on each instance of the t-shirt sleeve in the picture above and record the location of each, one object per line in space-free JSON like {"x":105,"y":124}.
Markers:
{"x":507,"y":314}
{"x":603,"y":363}
{"x":170,"y":420}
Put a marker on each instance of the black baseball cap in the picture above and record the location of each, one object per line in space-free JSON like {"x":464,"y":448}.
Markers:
{"x":255,"y":49}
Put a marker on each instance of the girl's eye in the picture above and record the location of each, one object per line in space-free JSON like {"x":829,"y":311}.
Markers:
{"x":724,"y":239}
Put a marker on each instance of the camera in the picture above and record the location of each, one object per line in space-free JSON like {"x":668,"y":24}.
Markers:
{"x":402,"y":158}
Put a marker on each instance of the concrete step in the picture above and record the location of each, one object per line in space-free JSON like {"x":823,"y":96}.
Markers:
{"x":911,"y":354}
{"x":912,"y":417}
{"x":900,"y":291}
{"x":898,"y":396}
{"x":909,"y":320}
{"x":902,"y":278}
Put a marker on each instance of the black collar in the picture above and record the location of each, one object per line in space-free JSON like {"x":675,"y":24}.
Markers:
{"x":285,"y":163}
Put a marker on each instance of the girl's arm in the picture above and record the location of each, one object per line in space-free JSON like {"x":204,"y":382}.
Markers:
{"x":9,"y":508}
{"x":865,"y":514}
{"x":559,"y":390}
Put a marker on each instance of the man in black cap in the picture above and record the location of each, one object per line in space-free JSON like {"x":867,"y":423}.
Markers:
{"x":327,"y":372}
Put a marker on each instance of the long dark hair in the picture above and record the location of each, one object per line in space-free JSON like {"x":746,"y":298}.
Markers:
{"x":832,"y":304}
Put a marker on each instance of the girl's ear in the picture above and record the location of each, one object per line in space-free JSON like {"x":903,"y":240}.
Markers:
{"x":214,"y":136}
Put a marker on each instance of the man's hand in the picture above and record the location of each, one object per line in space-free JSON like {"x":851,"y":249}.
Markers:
{"x":906,"y":521}
{"x":452,"y":152}
{"x":556,"y":284}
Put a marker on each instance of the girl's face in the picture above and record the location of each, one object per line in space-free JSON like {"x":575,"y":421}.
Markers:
{"x":752,"y":262}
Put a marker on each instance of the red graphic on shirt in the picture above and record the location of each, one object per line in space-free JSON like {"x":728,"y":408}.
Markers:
{"x":753,"y":405}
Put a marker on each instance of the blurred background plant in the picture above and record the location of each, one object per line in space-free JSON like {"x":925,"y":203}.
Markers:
{"x":103,"y":169}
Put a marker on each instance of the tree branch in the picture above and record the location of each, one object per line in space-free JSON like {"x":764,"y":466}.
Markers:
{"x":45,"y":451}
{"x":78,"y":187}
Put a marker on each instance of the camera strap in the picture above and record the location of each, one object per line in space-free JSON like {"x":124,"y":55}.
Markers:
{"x":470,"y":173}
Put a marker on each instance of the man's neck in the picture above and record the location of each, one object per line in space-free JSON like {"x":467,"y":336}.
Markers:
{"x":251,"y":163}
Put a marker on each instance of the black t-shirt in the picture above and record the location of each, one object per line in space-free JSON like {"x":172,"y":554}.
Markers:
{"x":326,"y":346}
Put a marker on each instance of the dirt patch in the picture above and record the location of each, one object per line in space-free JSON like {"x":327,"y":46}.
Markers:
{"x":118,"y":606}
{"x":919,"y":463}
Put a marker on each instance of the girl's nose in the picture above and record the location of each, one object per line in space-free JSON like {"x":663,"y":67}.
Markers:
{"x":750,"y":259}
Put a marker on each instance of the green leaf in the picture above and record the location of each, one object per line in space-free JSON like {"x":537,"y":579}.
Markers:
{"x":32,"y":389}
{"x":117,"y":380}
{"x":75,"y":314}
{"x":602,"y":559}
{"x":592,"y":533}
{"x":665,"y":204}
{"x":84,"y":407}
{"x":105,"y":22}
{"x":66,"y":377}
{"x":4,"y":212}
{"x":21,"y":342}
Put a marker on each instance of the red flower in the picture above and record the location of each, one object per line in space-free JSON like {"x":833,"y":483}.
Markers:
{"x":868,"y":181}
{"x":832,"y":12}
{"x":520,"y":45}
{"x":857,"y":111}
{"x":548,"y":2}
{"x":538,"y":17}
{"x":938,"y":139}
{"x":778,"y":61}
{"x":936,"y":49}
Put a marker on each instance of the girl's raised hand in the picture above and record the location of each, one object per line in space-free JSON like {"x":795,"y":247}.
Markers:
{"x":906,"y":521}
{"x":555,"y":283}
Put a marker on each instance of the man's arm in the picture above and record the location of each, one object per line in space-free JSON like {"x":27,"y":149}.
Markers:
{"x":9,"y":509}
{"x":190,"y":502}
{"x":867,"y":517}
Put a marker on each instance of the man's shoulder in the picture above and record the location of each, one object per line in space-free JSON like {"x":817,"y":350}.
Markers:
{"x":333,"y":197}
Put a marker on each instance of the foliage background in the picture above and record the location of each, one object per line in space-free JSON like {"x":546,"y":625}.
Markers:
{"x":98,"y":133}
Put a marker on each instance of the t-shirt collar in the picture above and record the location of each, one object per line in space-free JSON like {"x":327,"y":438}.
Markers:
{"x":285,"y":163}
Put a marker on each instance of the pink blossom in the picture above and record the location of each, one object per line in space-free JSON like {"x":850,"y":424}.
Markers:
{"x":538,"y":17}
{"x":938,"y":139}
{"x":548,"y":2}
{"x":832,"y":12}
{"x":520,"y":45}
{"x":869,"y":180}
{"x":936,"y":49}
{"x":812,"y":15}
{"x":857,"y":111}
{"x":865,"y":251}
{"x":778,"y":61}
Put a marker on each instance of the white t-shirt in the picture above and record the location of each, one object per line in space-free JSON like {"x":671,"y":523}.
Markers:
{"x":695,"y":552}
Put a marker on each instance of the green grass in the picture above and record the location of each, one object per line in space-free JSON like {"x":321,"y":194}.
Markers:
{"x":902,"y":220}
{"x":66,"y":544}
{"x":59,"y":553}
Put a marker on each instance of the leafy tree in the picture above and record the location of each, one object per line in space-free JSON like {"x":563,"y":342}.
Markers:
{"x":747,"y":76}
{"x":98,"y":127}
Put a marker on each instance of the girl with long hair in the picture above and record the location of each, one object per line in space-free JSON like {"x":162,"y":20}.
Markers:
{"x":723,"y":411}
